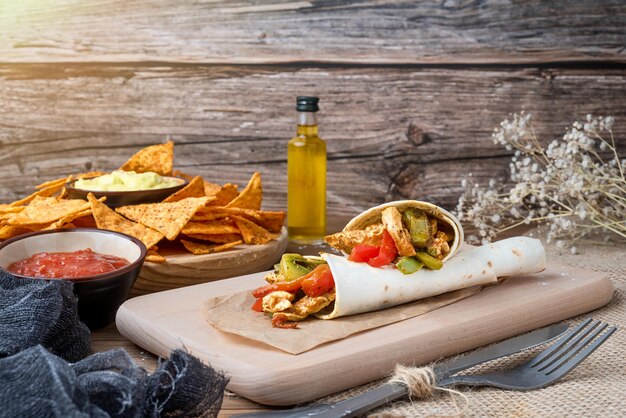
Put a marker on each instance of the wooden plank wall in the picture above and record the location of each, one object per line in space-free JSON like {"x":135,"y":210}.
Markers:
{"x":410,"y":91}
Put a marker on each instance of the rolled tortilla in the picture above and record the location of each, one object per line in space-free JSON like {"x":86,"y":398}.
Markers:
{"x":373,"y":215}
{"x":361,"y":288}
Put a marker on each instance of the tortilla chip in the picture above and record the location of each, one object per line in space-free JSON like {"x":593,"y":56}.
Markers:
{"x":154,"y":257}
{"x":157,"y":158}
{"x":251,"y":196}
{"x":212,"y":210}
{"x":88,"y":174}
{"x":199,"y":248}
{"x":45,"y":210}
{"x":211,"y":189}
{"x":55,"y":182}
{"x":217,"y":238}
{"x":212,"y":227}
{"x":62,"y":181}
{"x":106,"y":218}
{"x":253,"y":233}
{"x":44,"y":192}
{"x":195,"y":188}
{"x":7,"y":216}
{"x":271,"y":220}
{"x":224,"y":195}
{"x":201,"y":216}
{"x":167,"y":218}
{"x":10,"y":231}
{"x":69,"y":218}
{"x":8,"y":209}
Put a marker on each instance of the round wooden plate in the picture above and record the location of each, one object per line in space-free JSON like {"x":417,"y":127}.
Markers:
{"x":185,"y":269}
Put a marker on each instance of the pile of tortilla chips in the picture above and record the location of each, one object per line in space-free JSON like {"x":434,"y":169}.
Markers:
{"x":204,"y":217}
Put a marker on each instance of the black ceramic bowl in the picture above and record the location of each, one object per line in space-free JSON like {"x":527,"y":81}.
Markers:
{"x":124,"y":198}
{"x":100,"y":295}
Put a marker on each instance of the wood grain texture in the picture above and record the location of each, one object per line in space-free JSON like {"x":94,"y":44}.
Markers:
{"x":392,"y":133}
{"x":163,"y":321}
{"x":109,"y":338}
{"x":287,"y":31}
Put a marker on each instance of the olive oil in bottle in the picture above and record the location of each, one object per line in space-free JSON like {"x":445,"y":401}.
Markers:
{"x":306,"y":168}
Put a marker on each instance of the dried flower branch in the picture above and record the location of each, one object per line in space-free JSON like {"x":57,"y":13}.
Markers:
{"x":567,"y":186}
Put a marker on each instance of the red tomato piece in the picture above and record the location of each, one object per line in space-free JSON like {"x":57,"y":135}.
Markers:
{"x":388,"y":252}
{"x":258,"y":305}
{"x":363,"y":253}
{"x":319,"y":282}
{"x":292,"y":287}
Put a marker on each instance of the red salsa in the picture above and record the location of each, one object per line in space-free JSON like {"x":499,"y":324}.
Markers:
{"x":81,"y":263}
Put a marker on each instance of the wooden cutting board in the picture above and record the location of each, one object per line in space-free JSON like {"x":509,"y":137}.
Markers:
{"x":163,"y":321}
{"x":185,"y":269}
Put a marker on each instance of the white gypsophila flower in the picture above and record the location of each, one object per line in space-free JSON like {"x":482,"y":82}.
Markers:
{"x":566,"y":185}
{"x":581,"y":211}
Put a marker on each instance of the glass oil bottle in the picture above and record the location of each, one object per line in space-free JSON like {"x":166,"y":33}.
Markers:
{"x":306,"y":177}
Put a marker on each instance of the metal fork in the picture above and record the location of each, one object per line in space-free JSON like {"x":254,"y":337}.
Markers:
{"x":549,"y":366}
{"x":546,"y":368}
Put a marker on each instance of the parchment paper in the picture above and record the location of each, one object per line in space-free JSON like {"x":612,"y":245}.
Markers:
{"x":233,"y":314}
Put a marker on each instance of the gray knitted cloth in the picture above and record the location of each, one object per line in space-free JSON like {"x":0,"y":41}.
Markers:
{"x":40,"y":312}
{"x":40,"y":332}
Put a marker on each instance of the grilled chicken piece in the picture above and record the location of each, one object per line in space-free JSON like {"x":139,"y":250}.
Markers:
{"x":392,"y":220}
{"x":439,"y":248}
{"x":272,"y":277}
{"x":346,"y":240}
{"x":307,"y":306}
{"x":277,"y":301}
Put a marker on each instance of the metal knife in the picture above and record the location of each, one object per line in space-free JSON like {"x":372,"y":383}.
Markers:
{"x":388,"y":392}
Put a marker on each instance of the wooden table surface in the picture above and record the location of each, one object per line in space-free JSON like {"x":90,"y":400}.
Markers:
{"x":109,"y":338}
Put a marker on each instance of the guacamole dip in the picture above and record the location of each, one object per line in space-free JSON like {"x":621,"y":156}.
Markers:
{"x":124,"y":181}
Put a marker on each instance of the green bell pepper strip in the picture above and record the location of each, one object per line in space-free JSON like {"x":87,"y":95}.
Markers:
{"x":418,"y":225}
{"x":289,"y":267}
{"x":429,"y":261}
{"x":409,"y":265}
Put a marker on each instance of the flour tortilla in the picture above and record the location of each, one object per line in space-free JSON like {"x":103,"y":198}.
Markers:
{"x":373,"y":215}
{"x":362,"y":288}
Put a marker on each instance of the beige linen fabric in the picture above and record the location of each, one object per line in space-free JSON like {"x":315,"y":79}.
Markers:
{"x":596,"y":388}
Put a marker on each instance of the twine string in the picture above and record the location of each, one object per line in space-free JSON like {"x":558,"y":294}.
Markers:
{"x":422,"y":383}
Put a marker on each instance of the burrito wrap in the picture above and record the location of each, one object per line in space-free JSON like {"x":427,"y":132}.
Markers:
{"x":361,"y":288}
{"x":373,"y":215}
